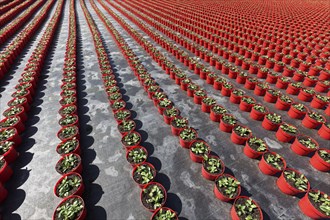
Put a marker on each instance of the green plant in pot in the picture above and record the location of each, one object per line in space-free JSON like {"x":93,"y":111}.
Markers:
{"x":242,"y":131}
{"x":136,"y":155}
{"x":68,"y":110}
{"x":322,"y":98}
{"x":274,"y":160}
{"x":193,"y":87}
{"x":165,"y":102}
{"x":212,"y":164}
{"x":289,"y":128}
{"x":246,"y":209}
{"x":257,"y":144}
{"x":5,"y":146}
{"x":118,"y":105}
{"x":5,"y":134}
{"x":320,"y":201}
{"x":324,"y":155}
{"x":297,"y":85}
{"x":17,"y":101}
{"x":286,"y":99}
{"x":68,"y":120}
{"x":248,"y":100}
{"x":131,"y":139}
{"x":228,"y":186}
{"x":307,"y":142}
{"x":68,"y":163}
{"x":273,"y":92}
{"x":200,"y":93}
{"x":300,"y":182}
{"x":68,"y":132}
{"x":122,"y":114}
{"x":13,"y":111}
{"x":188,"y":134}
{"x":143,"y":174}
{"x":68,"y":185}
{"x":217,"y":109}
{"x":199,"y":148}
{"x":158,"y":95}
{"x":316,"y":116}
{"x":126,"y":126}
{"x":238,"y":92}
{"x":209,"y":101}
{"x":229,"y":119}
{"x":114,"y":96}
{"x":153,"y":196}
{"x":179,"y":122}
{"x":227,"y":85}
{"x":274,"y":118}
{"x":164,"y":214}
{"x":68,"y":100}
{"x":171,"y":112}
{"x":260,"y":108}
{"x":300,"y":107}
{"x":70,"y":210}
{"x":9,"y":122}
{"x":68,"y":146}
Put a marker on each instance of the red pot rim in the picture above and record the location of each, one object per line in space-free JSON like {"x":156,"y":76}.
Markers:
{"x":66,"y":199}
{"x":65,"y":175}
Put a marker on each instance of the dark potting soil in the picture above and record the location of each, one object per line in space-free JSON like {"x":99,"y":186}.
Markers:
{"x":325,"y":158}
{"x":138,"y":178}
{"x":255,"y":212}
{"x":254,"y":146}
{"x":281,"y":163}
{"x":219,"y":169}
{"x":290,"y":181}
{"x":69,"y":201}
{"x":145,"y":197}
{"x":316,"y":204}
{"x":73,"y":190}
{"x":222,"y":190}
{"x":61,"y":151}
{"x":58,"y":166}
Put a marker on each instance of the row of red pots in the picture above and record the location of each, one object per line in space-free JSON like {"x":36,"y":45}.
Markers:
{"x":12,"y":51}
{"x":69,"y":109}
{"x":195,"y":158}
{"x":21,"y":108}
{"x":7,"y":7}
{"x":272,"y":99}
{"x":9,"y":15}
{"x":269,"y":97}
{"x":205,"y":27}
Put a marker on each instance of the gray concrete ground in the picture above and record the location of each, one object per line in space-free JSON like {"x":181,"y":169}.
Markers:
{"x":110,"y":191}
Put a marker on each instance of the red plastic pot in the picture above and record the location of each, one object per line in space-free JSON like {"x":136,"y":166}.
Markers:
{"x":15,"y":138}
{"x":136,"y":147}
{"x":186,"y":144}
{"x":197,"y":158}
{"x":77,"y":150}
{"x":163,"y":189}
{"x":236,"y":99}
{"x":11,"y":155}
{"x":136,"y":144}
{"x":241,"y":79}
{"x":317,"y":103}
{"x":246,"y":107}
{"x":3,"y":193}
{"x":5,"y":173}
{"x":72,"y":136}
{"x":211,"y":176}
{"x":154,"y":173}
{"x":285,"y":186}
{"x":282,"y":105}
{"x":307,"y":207}
{"x":256,"y":115}
{"x":268,"y":169}
{"x":220,"y":195}
{"x":77,"y":169}
{"x":81,"y":216}
{"x":25,"y":104}
{"x":198,"y":99}
{"x":19,"y":125}
{"x":281,"y":84}
{"x":301,"y":149}
{"x":249,"y":85}
{"x":295,"y":113}
{"x":283,"y":136}
{"x":270,"y":97}
{"x":292,"y":90}
{"x":304,"y":96}
{"x":233,"y":213}
{"x":250,"y":152}
{"x":321,"y":87}
{"x":309,"y":122}
{"x":324,"y":132}
{"x":217,"y":85}
{"x":235,"y":138}
{"x":226,"y":91}
{"x":225,"y":127}
{"x":272,"y":79}
{"x":78,"y":191}
{"x":318,"y":163}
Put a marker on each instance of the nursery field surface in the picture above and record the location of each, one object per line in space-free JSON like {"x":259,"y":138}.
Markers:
{"x":164,"y":109}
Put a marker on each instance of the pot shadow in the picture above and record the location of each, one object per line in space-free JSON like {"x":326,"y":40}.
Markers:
{"x":164,"y":180}
{"x":93,"y":192}
{"x":17,"y":196}
{"x":174,"y":202}
{"x":183,"y":218}
{"x":155,"y":162}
